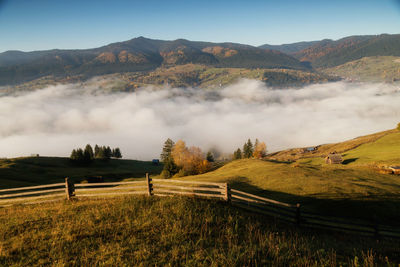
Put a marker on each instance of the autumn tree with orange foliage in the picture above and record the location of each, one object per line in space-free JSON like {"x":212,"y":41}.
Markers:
{"x":260,"y":150}
{"x":189,"y":160}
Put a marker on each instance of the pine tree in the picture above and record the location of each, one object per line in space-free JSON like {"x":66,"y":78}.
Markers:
{"x":74,"y":155}
{"x":210,"y":157}
{"x":79,"y":155}
{"x":117,"y":153}
{"x":107,"y":152}
{"x":248,"y":149}
{"x":96,"y":150}
{"x":88,"y":153}
{"x":167,"y":149}
{"x":170,"y":168}
{"x":237,"y":154}
{"x":101,"y":153}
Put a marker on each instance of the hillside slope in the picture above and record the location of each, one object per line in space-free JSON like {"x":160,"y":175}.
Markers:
{"x":45,"y":170}
{"x":353,"y":189}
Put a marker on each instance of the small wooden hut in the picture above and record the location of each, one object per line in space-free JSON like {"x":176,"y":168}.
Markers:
{"x":333,"y":158}
{"x":395,"y":169}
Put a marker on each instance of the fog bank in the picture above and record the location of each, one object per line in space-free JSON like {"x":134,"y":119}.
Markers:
{"x":57,"y":119}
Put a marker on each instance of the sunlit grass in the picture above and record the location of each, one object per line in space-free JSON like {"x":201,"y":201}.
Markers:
{"x":169,"y":231}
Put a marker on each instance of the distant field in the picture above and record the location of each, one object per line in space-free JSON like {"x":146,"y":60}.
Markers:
{"x":43,"y":170}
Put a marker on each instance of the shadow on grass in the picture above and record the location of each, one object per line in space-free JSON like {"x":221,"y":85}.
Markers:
{"x":347,"y":161}
{"x":278,"y":161}
{"x":383,"y":209}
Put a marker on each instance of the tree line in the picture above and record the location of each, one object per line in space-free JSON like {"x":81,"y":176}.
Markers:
{"x":258,"y":150}
{"x":87,"y":155}
{"x":180,"y":160}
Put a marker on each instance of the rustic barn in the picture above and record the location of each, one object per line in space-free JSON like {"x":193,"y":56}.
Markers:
{"x":334,"y":158}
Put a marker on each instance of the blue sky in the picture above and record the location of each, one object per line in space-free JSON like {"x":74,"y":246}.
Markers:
{"x":45,"y":24}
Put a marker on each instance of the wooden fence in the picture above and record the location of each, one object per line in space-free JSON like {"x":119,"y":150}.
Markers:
{"x":167,"y":187}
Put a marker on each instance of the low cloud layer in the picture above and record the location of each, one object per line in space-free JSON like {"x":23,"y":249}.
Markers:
{"x":57,"y":119}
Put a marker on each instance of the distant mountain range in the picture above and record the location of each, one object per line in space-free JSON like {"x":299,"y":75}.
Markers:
{"x":143,"y":55}
{"x":138,"y":54}
{"x":329,"y":53}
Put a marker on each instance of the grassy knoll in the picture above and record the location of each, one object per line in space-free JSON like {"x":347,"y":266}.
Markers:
{"x":323,"y":150}
{"x":172,"y":231}
{"x":385,"y":150}
{"x":353,"y":189}
{"x":43,"y":170}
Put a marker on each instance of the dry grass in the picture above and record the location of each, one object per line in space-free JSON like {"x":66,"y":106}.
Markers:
{"x":171,"y":231}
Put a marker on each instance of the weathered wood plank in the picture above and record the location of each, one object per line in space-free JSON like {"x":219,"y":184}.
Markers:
{"x":188,"y":188}
{"x":110,"y":188}
{"x":222,"y":185}
{"x":263,"y":198}
{"x":32,"y":193}
{"x":113,"y":194}
{"x":30,"y":198}
{"x":32,"y":187}
{"x":247,"y":199}
{"x":188,"y":193}
{"x":110,"y":183}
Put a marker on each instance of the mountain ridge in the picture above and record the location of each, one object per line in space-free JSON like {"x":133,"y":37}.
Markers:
{"x":137,"y":54}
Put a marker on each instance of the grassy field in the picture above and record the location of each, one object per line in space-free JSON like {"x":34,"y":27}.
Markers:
{"x":44,"y":170}
{"x":354,"y":189}
{"x":186,"y":231}
{"x":172,"y":231}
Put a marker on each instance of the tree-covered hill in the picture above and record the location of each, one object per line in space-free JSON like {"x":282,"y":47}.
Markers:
{"x":329,"y":53}
{"x":138,"y":54}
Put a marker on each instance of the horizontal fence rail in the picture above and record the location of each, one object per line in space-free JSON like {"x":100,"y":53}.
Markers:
{"x":27,"y":194}
{"x":292,"y":213}
{"x":168,"y":187}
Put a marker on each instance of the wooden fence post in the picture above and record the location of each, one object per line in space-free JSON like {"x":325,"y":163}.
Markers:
{"x":298,"y":214}
{"x":68,"y":188}
{"x":227,"y":193}
{"x":149,"y":185}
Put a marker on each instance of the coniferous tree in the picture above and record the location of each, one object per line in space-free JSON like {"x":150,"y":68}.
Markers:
{"x":96,"y":150}
{"x":117,"y":153}
{"x":237,"y":154}
{"x":88,"y":154}
{"x":107,"y":152}
{"x":167,"y":149}
{"x":170,"y":168}
{"x":255,"y":144}
{"x":210,"y":157}
{"x":248,"y":149}
{"x":101,"y":153}
{"x":74,"y":155}
{"x":79,"y":155}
